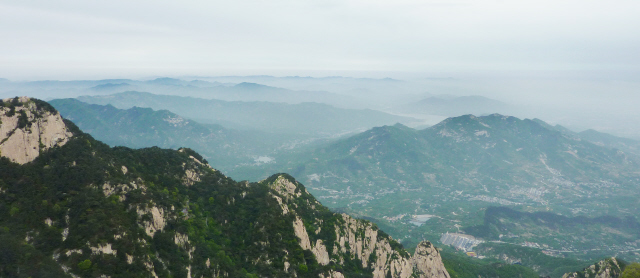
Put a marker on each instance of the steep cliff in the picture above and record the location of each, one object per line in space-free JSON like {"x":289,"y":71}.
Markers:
{"x":607,"y":268}
{"x":343,"y":238}
{"x":28,"y":127}
{"x":83,"y":209}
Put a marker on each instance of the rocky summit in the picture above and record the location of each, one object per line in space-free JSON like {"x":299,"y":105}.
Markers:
{"x":28,"y":127}
{"x":607,"y":268}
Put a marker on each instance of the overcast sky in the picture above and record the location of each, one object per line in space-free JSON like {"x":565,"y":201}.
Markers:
{"x":46,"y":39}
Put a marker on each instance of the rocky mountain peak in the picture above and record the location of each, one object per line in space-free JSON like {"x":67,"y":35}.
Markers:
{"x":345,"y":237}
{"x":427,"y":261}
{"x":287,"y":188}
{"x":28,"y":127}
{"x":607,"y":268}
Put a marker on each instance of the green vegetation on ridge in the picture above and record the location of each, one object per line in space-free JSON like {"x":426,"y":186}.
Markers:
{"x":94,"y":210}
{"x":451,"y":172}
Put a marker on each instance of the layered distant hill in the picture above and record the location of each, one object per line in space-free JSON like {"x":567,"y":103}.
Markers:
{"x":243,"y":91}
{"x":498,"y":154}
{"x":144,"y":127}
{"x":305,"y":118}
{"x":449,"y":173}
{"x":608,"y":140}
{"x":599,"y":138}
{"x":455,"y":106}
{"x":229,"y":91}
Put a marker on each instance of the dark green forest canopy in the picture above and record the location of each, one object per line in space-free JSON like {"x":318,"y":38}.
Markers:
{"x":80,"y":205}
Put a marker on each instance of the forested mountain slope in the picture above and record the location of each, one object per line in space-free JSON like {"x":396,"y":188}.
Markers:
{"x":443,"y":178}
{"x":480,"y":157}
{"x":81,"y":208}
{"x":607,"y":268}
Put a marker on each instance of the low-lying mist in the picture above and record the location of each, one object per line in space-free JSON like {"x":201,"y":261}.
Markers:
{"x":578,"y":100}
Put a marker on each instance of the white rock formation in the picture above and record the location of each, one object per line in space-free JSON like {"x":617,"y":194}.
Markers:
{"x":45,"y":130}
{"x":332,"y":274}
{"x":181,"y":240}
{"x":320,"y":251}
{"x":69,"y":252}
{"x":103,"y":249}
{"x":157,"y":222}
{"x":607,"y":268}
{"x":301,"y":233}
{"x":285,"y":188}
{"x":427,"y":261}
{"x":190,"y":177}
{"x":283,"y":206}
{"x":359,"y":239}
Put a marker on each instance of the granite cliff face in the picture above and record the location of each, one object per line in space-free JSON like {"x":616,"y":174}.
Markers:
{"x":608,"y":268}
{"x":353,"y":238}
{"x":27,"y":129}
{"x":427,"y":261}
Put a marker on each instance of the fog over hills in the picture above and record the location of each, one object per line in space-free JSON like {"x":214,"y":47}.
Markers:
{"x":143,"y":127}
{"x":572,"y":101}
{"x":303,"y":118}
{"x":455,"y":106}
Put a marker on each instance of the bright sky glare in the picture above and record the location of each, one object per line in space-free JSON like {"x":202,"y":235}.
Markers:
{"x":98,"y":39}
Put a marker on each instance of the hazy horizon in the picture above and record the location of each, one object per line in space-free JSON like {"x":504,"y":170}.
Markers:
{"x":571,"y":62}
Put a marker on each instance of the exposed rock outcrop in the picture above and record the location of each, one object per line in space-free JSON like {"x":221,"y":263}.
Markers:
{"x":332,"y":274}
{"x":607,"y":268}
{"x":103,"y":249}
{"x":357,"y":239}
{"x":427,"y":261}
{"x":26,"y":129}
{"x":286,"y":188}
{"x":157,"y":220}
{"x":301,"y":233}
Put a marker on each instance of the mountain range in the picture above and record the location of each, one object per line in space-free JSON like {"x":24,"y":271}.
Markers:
{"x":603,"y":139}
{"x":243,"y":91}
{"x":305,"y":118}
{"x":73,"y":206}
{"x":443,"y":178}
{"x":234,"y":90}
{"x":79,"y":208}
{"x":138,"y":127}
{"x":495,"y":153}
{"x":464,"y":165}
